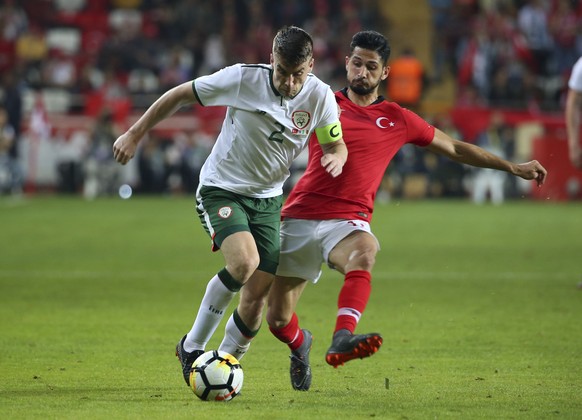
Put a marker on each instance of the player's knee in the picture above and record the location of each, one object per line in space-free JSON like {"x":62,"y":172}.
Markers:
{"x":368,"y":260}
{"x":243,"y":268}
{"x":362,"y":260}
{"x":276,"y":319}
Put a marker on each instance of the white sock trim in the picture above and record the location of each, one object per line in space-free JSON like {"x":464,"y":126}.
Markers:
{"x":350,"y":312}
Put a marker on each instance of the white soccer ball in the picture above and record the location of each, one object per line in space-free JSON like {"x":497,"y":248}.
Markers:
{"x":216,"y":376}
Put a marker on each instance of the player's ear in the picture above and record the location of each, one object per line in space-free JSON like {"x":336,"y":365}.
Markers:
{"x":347,"y":61}
{"x":385,"y":72}
{"x":311,"y":63}
{"x":271,"y":59}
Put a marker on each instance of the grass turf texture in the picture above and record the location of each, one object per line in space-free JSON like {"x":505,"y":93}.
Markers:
{"x":478,"y":307}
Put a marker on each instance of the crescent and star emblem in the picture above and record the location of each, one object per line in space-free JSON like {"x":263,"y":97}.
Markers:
{"x":379,"y":122}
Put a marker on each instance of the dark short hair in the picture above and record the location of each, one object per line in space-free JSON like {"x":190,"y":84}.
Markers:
{"x":371,"y":40}
{"x":293,"y":45}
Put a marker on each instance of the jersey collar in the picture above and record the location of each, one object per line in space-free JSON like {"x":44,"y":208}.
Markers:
{"x":273,"y":88}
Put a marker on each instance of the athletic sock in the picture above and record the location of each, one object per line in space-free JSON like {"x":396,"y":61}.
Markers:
{"x":219,"y":293}
{"x":352,"y":299}
{"x":237,"y":336}
{"x":290,"y":334}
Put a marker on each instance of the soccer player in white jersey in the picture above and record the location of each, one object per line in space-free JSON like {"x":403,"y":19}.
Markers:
{"x":328,"y":220}
{"x":272,"y":109}
{"x":574,"y":114}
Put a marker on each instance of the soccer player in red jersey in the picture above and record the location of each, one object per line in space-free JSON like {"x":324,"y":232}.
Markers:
{"x":327,"y":220}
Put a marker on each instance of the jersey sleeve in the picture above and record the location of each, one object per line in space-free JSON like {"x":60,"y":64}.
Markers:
{"x":330,"y":113}
{"x":220,"y":88}
{"x":420,"y":132}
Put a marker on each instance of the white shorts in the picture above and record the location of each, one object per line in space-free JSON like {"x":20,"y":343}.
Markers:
{"x":306,"y":244}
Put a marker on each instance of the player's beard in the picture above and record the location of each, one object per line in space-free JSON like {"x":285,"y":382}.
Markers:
{"x":362,"y":89}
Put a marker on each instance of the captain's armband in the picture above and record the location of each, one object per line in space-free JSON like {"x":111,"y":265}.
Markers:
{"x":329,"y":133}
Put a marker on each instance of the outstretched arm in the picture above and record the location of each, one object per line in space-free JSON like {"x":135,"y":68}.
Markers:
{"x":125,"y":146}
{"x":470,"y":154}
{"x":573,"y":117}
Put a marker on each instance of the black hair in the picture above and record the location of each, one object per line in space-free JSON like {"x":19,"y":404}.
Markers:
{"x":371,"y":40}
{"x":293,"y":45}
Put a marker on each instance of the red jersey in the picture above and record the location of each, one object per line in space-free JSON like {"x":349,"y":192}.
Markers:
{"x":373,"y":135}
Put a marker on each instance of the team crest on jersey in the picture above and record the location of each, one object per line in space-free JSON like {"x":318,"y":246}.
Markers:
{"x":225,"y":212}
{"x":384,"y":122}
{"x":301,"y":120}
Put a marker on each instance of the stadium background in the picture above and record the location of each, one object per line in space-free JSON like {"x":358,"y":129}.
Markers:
{"x":75,"y":73}
{"x":479,"y":305}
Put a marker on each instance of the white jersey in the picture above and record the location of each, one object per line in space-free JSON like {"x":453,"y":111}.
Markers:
{"x":575,"y":82}
{"x":262,"y":132}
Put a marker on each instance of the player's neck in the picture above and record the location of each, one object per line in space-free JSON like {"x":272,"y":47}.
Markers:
{"x":362,"y":100}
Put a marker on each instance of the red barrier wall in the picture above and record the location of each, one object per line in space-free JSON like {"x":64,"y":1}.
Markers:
{"x":551,"y":149}
{"x":563,"y":178}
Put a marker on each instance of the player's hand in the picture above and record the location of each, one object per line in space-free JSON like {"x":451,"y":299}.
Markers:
{"x":332,"y":163}
{"x":124,"y":148}
{"x":532,"y":170}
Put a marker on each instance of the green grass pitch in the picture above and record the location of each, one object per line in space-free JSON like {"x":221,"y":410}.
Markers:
{"x":478,"y":306}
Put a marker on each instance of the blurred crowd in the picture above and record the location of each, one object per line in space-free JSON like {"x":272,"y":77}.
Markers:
{"x":507,"y":53}
{"x":122,"y":48}
{"x":108,"y":59}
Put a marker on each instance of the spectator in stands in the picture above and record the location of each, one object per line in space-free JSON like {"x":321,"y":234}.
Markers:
{"x":445,"y":175}
{"x":507,"y":51}
{"x":195,"y":148}
{"x":59,"y":71}
{"x":440,"y":15}
{"x":101,"y":172}
{"x":12,"y":101}
{"x":285,"y":11}
{"x":13,"y":20}
{"x":112,"y":87}
{"x":574,"y":114}
{"x":487,"y":181}
{"x":532,"y":20}
{"x":512,"y":86}
{"x":564,"y":26}
{"x":31,"y":51}
{"x":407,"y":80}
{"x":10,"y":174}
{"x":152,"y":166}
{"x":176,"y":68}
{"x":478,"y":57}
{"x":90,"y":79}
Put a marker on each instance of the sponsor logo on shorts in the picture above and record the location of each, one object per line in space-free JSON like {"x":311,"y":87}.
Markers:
{"x":225,"y":212}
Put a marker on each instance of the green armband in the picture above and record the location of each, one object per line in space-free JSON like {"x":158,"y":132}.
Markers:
{"x":329,"y":133}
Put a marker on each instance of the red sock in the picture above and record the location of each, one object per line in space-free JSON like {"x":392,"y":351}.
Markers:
{"x":290,"y":334}
{"x":352,"y":299}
